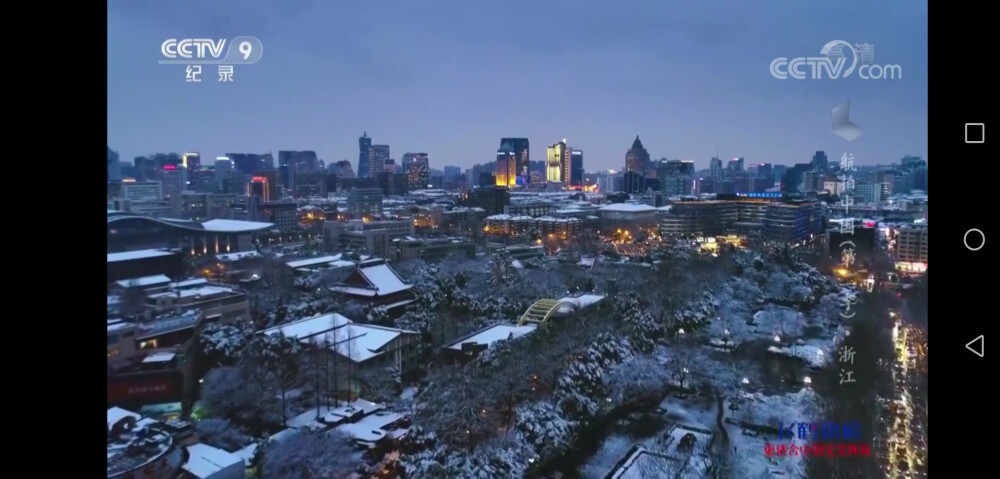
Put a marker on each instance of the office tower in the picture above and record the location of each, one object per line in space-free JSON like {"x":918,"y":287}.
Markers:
{"x":379,"y":155}
{"x":364,"y":158}
{"x":715,"y":169}
{"x":519,"y":147}
{"x":557,"y":163}
{"x":389,"y":166}
{"x":259,"y":187}
{"x":735,"y":167}
{"x":506,"y":166}
{"x":576,"y":168}
{"x":114,"y":168}
{"x":417,"y":168}
{"x":191,"y":161}
{"x":248,"y":163}
{"x":365,"y":201}
{"x":452,"y":172}
{"x":342,"y":169}
{"x":820,"y":162}
{"x":637,"y":158}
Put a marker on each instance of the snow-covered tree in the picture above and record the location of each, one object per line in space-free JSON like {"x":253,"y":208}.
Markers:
{"x":221,"y":433}
{"x":543,"y":426}
{"x":310,"y":455}
{"x":221,"y":343}
{"x":640,"y":379}
{"x":227,"y":394}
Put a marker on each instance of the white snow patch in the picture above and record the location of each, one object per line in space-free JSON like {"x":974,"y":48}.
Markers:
{"x":813,"y":355}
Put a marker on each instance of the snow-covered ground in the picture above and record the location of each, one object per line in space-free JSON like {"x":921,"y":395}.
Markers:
{"x":699,"y":412}
{"x":784,"y":409}
{"x":812,"y":354}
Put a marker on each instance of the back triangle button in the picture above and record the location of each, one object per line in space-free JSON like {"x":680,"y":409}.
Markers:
{"x":977,"y":346}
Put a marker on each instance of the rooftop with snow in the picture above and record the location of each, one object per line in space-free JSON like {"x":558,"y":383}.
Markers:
{"x":493,"y":334}
{"x":205,"y":461}
{"x":373,"y":277}
{"x":140,"y":254}
{"x":628,"y":208}
{"x":133,"y":442}
{"x":358,"y":342}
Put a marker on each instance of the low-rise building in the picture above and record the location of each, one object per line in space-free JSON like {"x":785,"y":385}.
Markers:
{"x":469,"y":346}
{"x":373,"y":237}
{"x":507,"y":225}
{"x":140,"y":448}
{"x":354,"y":347}
{"x":207,"y":462}
{"x":432,"y":248}
{"x":628,"y":212}
{"x":373,"y":282}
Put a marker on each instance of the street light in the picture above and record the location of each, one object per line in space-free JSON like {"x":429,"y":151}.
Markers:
{"x":807,"y":380}
{"x":745,"y":381}
{"x":777,"y":339}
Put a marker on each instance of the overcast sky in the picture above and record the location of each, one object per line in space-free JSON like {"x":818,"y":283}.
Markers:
{"x":451,"y":77}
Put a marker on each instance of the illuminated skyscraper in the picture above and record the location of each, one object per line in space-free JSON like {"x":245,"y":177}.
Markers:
{"x":416,"y":167}
{"x":516,"y":168}
{"x":557,"y":163}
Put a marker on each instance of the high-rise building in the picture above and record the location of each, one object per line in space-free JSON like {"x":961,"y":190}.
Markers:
{"x":260,"y":188}
{"x":417,"y":168}
{"x":557,"y":163}
{"x":365,"y":201}
{"x":364,"y":158}
{"x":637,"y":158}
{"x":516,"y":169}
{"x":114,"y":167}
{"x":576,"y":168}
{"x":506,"y":175}
{"x":715,"y":169}
{"x":911,"y":247}
{"x":735,"y":167}
{"x":379,"y":155}
{"x":820,"y":161}
{"x":191,"y":161}
{"x":248,"y":163}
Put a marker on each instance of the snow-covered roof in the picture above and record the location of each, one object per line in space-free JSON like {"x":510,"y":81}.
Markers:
{"x":582,"y":300}
{"x":492,"y":334}
{"x":141,"y":254}
{"x":159,"y":358}
{"x":144,"y":281}
{"x":628,"y":208}
{"x":227,"y":257}
{"x":204,"y":460}
{"x":320,"y":260}
{"x":359,"y":342}
{"x":308,"y":327}
{"x":116,"y":414}
{"x":383,"y":278}
{"x":204,"y":291}
{"x":187,"y":283}
{"x":235,"y":226}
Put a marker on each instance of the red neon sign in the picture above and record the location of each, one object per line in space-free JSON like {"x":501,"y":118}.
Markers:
{"x":259,"y":179}
{"x":169,"y":167}
{"x":869,"y":224}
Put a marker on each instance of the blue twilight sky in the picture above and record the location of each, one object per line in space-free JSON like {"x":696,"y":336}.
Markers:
{"x":451,"y":77}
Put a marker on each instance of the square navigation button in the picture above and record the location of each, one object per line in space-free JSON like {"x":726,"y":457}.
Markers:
{"x":975,"y":133}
